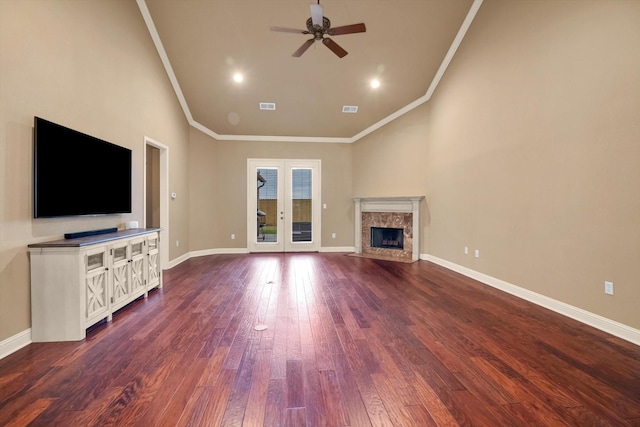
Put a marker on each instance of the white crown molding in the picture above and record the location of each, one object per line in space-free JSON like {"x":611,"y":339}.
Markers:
{"x":457,"y":41}
{"x":144,"y":10}
{"x":473,"y":10}
{"x":219,"y":137}
{"x":436,"y":79}
{"x":612,"y":327}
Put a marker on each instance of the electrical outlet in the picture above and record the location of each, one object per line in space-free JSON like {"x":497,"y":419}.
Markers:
{"x":233,"y":237}
{"x":177,"y":243}
{"x":477,"y":253}
{"x":608,"y":288}
{"x":333,"y":235}
{"x":466,"y":250}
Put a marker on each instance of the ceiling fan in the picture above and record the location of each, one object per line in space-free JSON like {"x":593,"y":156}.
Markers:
{"x":319,"y":26}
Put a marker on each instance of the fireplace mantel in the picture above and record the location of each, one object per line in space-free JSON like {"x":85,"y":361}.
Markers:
{"x":409,"y":204}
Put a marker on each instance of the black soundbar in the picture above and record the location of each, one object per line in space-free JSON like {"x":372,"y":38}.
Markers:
{"x":90,"y":233}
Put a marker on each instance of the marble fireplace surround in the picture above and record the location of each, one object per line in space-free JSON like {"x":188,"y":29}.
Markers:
{"x":397,"y":212}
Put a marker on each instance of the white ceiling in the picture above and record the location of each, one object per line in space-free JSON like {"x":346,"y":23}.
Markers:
{"x":407,"y":45}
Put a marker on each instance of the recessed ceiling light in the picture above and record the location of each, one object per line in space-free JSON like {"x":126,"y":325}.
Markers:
{"x":238,"y":77}
{"x":375,"y":83}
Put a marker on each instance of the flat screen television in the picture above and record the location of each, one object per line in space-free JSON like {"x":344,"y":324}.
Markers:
{"x":77,"y":174}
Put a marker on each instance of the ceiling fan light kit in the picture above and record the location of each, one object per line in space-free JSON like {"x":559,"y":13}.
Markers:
{"x":320,"y":26}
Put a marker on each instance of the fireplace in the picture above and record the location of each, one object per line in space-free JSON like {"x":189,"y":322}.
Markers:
{"x":388,"y":227}
{"x":374,"y":221}
{"x":387,"y":238}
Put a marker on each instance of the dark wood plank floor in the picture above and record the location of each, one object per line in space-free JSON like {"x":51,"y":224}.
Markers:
{"x":350,"y":342}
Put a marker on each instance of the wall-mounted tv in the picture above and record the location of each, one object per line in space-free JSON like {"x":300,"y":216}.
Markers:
{"x":77,"y":174}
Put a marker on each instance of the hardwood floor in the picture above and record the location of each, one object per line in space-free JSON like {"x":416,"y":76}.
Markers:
{"x":350,"y":342}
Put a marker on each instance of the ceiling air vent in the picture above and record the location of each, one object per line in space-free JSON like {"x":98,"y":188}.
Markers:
{"x":267,"y":106}
{"x":349,"y":108}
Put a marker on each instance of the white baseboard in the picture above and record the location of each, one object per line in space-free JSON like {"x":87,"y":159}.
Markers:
{"x":195,"y":254}
{"x":15,"y":343}
{"x":204,"y":252}
{"x":218,"y":251}
{"x":612,"y":327}
{"x":349,"y":249}
{"x":176,"y":261}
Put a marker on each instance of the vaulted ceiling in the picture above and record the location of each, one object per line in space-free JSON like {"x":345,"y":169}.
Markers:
{"x":203,"y":43}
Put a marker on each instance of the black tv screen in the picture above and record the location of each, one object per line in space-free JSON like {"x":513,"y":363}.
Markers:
{"x":77,"y":174}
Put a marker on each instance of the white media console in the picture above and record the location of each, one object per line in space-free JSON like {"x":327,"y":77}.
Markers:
{"x":75,"y":283}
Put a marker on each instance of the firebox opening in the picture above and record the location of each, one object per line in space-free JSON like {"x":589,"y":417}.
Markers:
{"x":388,"y":238}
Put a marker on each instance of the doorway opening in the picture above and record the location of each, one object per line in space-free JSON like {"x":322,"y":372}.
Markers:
{"x":156,"y":185}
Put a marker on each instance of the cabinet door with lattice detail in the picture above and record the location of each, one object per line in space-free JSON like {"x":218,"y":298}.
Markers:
{"x":137,"y":267}
{"x":153,"y":263}
{"x":96,"y":291}
{"x":120,"y":288}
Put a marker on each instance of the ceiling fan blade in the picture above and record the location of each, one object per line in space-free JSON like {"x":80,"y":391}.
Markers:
{"x":289,"y":30}
{"x":335,"y":47}
{"x":302,"y":49}
{"x":347,"y":29}
{"x":316,"y":14}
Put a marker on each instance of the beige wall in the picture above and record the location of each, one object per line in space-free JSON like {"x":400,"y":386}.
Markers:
{"x":91,"y":66}
{"x":219,"y":186}
{"x":531,"y":150}
{"x":205,"y":200}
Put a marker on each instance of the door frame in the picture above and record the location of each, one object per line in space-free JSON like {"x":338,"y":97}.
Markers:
{"x":164,"y":197}
{"x":286,"y":245}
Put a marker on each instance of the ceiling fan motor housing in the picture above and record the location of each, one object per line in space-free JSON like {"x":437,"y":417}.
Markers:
{"x":317,"y":30}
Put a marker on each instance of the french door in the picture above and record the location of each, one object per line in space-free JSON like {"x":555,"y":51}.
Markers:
{"x":283,"y":206}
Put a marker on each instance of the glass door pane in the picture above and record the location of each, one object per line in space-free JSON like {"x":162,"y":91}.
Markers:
{"x":301,"y":205}
{"x":267,"y":203}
